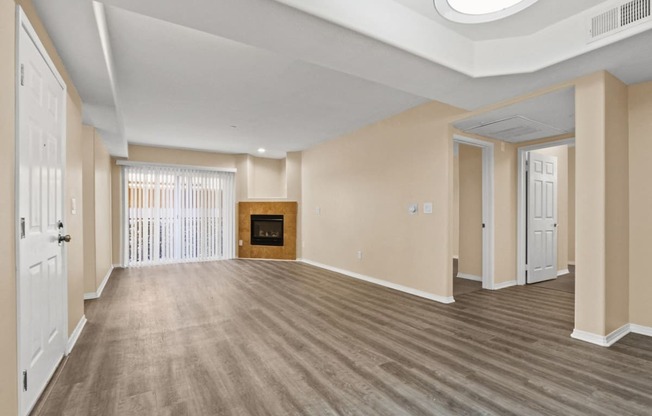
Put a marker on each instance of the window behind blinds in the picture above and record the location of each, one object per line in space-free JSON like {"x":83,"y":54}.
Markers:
{"x":178,"y":215}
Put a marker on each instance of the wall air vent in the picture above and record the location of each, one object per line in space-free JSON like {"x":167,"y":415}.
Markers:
{"x":619,"y":17}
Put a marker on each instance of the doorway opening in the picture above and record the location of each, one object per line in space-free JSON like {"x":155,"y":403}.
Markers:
{"x":474,"y":266}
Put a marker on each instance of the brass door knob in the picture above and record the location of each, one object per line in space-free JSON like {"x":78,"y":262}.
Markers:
{"x":64,"y":238}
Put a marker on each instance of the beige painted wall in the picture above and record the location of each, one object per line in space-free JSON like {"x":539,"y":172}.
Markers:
{"x":102,"y":210}
{"x":97,"y":210}
{"x":267,"y":178}
{"x":640,"y":203}
{"x":602,"y":205}
{"x":571,"y":205}
{"x":293,"y":178}
{"x":363,"y":183}
{"x":8,"y":353}
{"x":88,"y":181}
{"x":456,"y":203}
{"x":617,"y":204}
{"x":470,"y":210}
{"x":561,"y":153}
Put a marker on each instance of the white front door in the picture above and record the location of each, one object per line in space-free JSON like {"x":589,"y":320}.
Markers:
{"x":41,"y":263}
{"x":541,"y":218}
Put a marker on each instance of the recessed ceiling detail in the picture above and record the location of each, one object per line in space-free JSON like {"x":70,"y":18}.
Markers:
{"x":480,"y":11}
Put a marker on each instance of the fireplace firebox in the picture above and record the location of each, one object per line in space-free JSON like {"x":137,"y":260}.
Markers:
{"x":267,"y":230}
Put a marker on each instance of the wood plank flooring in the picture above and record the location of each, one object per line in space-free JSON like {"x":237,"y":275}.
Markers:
{"x":246,"y":337}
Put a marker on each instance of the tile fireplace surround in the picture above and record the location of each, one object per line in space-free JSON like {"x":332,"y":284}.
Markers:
{"x":289,"y":249}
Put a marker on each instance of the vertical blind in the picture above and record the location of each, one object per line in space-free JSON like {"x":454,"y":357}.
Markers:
{"x":178,"y":215}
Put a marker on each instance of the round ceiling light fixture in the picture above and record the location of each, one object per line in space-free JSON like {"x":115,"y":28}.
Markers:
{"x":480,"y":11}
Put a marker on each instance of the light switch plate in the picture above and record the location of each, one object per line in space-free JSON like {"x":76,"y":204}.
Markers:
{"x":427,"y":207}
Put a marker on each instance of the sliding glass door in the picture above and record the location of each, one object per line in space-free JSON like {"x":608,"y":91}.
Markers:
{"x":177,"y":215}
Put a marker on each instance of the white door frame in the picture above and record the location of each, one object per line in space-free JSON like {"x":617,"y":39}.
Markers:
{"x":22,"y":23}
{"x":520,"y":200}
{"x":487,"y":206}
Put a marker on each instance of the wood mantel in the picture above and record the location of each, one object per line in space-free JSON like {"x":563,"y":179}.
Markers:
{"x":289,"y":211}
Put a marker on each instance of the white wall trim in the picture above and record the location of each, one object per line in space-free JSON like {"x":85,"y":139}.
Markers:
{"x":401,"y":288}
{"x":488,"y":260}
{"x":469,"y":277}
{"x":640,"y":329}
{"x":603,"y":341}
{"x":456,"y":257}
{"x":503,"y":285}
{"x":571,"y":263}
{"x":562,"y":272}
{"x":72,"y":340}
{"x":520,"y":200}
{"x":100,"y":289}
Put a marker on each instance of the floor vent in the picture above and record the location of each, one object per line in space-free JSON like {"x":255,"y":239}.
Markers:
{"x":619,"y":18}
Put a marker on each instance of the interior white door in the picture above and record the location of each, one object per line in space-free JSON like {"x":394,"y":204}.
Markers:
{"x":541,"y":218}
{"x":41,"y":262}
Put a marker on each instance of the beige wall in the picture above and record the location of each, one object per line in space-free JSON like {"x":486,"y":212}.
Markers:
{"x":561,"y":153}
{"x":456,"y":203}
{"x":88,"y":182}
{"x":102,"y":210}
{"x":97,"y":210}
{"x":571,"y":205}
{"x":602,"y":205}
{"x":363,"y":184}
{"x":267,"y":178}
{"x":617,"y":204}
{"x":640,"y":203}
{"x":470,"y":210}
{"x":8,"y":353}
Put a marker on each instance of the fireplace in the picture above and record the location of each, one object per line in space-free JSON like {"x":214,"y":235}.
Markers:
{"x":267,"y":230}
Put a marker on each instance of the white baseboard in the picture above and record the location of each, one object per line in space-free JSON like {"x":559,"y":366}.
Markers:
{"x":100,"y":289}
{"x":603,"y":341}
{"x":469,"y":277}
{"x":503,"y":285}
{"x":640,"y":329}
{"x":401,"y":288}
{"x":75,"y":334}
{"x":562,"y":272}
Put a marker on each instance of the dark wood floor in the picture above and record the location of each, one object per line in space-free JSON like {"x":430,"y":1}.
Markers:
{"x":276,"y":338}
{"x":462,"y":286}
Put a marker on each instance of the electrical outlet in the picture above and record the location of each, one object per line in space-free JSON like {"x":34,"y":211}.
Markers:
{"x":359,"y":254}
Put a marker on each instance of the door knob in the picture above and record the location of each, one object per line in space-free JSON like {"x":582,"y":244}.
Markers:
{"x":64,"y":238}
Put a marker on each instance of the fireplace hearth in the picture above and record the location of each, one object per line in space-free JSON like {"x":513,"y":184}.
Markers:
{"x":267,"y":230}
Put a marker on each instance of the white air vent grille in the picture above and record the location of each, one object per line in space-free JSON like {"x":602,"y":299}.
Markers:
{"x":515,"y":129}
{"x":619,"y":18}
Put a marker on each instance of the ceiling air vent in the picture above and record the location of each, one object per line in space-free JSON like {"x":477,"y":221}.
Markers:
{"x":619,"y":18}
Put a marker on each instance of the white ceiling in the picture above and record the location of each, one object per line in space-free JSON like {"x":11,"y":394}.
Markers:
{"x":291,"y":73}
